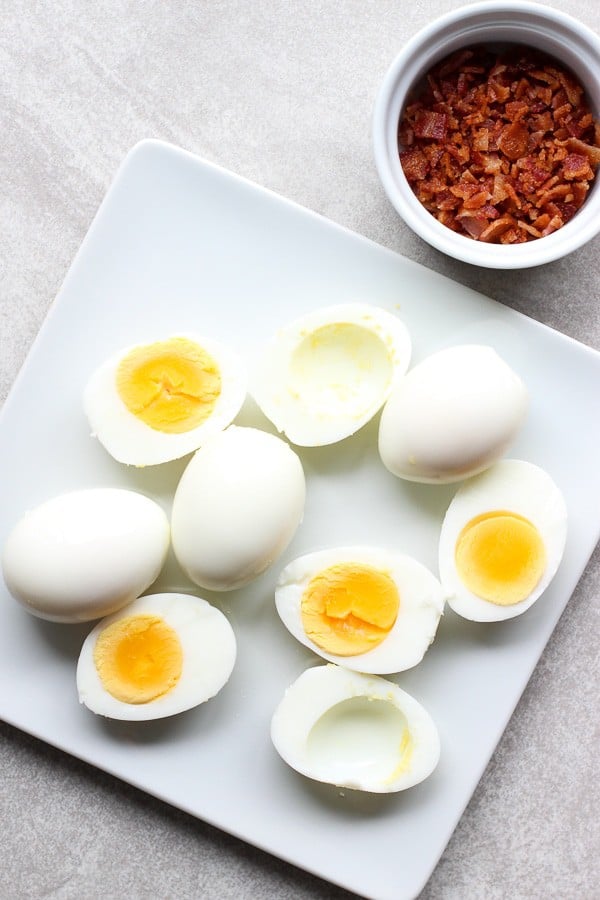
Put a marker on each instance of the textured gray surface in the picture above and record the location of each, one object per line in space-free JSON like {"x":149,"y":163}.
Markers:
{"x":281,"y":92}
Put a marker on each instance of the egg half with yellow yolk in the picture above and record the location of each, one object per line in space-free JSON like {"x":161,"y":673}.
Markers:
{"x":366,"y":608}
{"x":154,"y":402}
{"x":502,"y":541}
{"x":355,"y":731}
{"x":161,"y":655}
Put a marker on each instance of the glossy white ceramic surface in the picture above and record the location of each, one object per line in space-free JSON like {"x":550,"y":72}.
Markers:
{"x":181,"y":244}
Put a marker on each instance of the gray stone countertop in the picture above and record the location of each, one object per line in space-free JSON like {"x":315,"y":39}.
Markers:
{"x":280,"y":92}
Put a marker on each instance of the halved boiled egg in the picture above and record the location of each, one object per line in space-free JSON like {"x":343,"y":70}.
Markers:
{"x":161,"y":655}
{"x":502,"y":541}
{"x":154,"y":402}
{"x":366,"y":608}
{"x":326,"y":374}
{"x":355,"y":731}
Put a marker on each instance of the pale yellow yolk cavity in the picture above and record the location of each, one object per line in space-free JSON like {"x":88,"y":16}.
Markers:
{"x":349,"y":608}
{"x":138,"y":658}
{"x":172,"y":385}
{"x":340,"y":363}
{"x":500,"y":557}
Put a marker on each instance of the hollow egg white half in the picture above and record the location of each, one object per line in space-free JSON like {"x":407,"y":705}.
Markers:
{"x":325,"y":375}
{"x":502,"y":540}
{"x":355,"y":731}
{"x":237,"y":507}
{"x":366,"y":608}
{"x":157,"y":401}
{"x":85,"y":554}
{"x":161,"y":655}
{"x":452,"y":415}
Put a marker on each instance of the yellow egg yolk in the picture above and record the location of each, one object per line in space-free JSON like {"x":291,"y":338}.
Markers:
{"x":138,"y":658}
{"x":172,"y":385}
{"x":500,"y":557}
{"x":349,"y":608}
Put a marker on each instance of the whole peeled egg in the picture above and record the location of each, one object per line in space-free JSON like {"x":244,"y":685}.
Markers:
{"x":160,"y":655}
{"x":355,"y":731}
{"x":158,"y":401}
{"x":452,"y":415}
{"x":325,"y":375}
{"x":236,"y":508}
{"x":85,"y":554}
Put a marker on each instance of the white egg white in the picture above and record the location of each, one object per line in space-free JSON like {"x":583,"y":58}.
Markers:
{"x":421,"y":605}
{"x":85,"y":554}
{"x":321,"y":395}
{"x":355,"y":731}
{"x":515,"y":486}
{"x":237,"y":507}
{"x":130,"y":440}
{"x":452,"y":415}
{"x":209,"y":651}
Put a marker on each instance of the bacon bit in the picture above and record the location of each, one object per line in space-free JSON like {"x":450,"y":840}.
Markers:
{"x":580,"y":190}
{"x":415,"y":164}
{"x":592,"y":153}
{"x":495,"y":229}
{"x":546,"y":77}
{"x":473,"y":225}
{"x":573,"y":90}
{"x":577,"y":166}
{"x":502,"y":150}
{"x":543,"y":121}
{"x":513,"y":140}
{"x":465,"y":190}
{"x":516,"y":110}
{"x":541,"y":221}
{"x":554,"y":224}
{"x":562,"y":112}
{"x":567,"y":210}
{"x":558,"y":192}
{"x":429,"y":124}
{"x":530,"y":229}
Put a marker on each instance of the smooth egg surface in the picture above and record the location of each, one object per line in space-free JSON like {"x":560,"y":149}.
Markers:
{"x":354,"y":731}
{"x":452,"y":415}
{"x":151,"y":403}
{"x":161,"y":655}
{"x":502,"y":540}
{"x":85,"y":554}
{"x":326,"y":374}
{"x":366,"y":608}
{"x":237,"y":507}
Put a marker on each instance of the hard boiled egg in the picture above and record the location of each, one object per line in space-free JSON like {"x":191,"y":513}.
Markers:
{"x":451,"y":416}
{"x":366,"y":608}
{"x":502,"y":540}
{"x":237,"y":507}
{"x":326,"y":374}
{"x":161,"y":655}
{"x":85,"y":554}
{"x":155,"y":402}
{"x":354,"y":731}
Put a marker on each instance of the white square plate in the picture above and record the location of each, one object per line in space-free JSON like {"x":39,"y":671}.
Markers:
{"x":177,"y":245}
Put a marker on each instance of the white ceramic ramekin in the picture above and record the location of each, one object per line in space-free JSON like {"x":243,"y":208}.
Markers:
{"x":489,"y":22}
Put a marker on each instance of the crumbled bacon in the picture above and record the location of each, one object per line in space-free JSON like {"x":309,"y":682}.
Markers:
{"x":430,"y":124}
{"x":500,"y":149}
